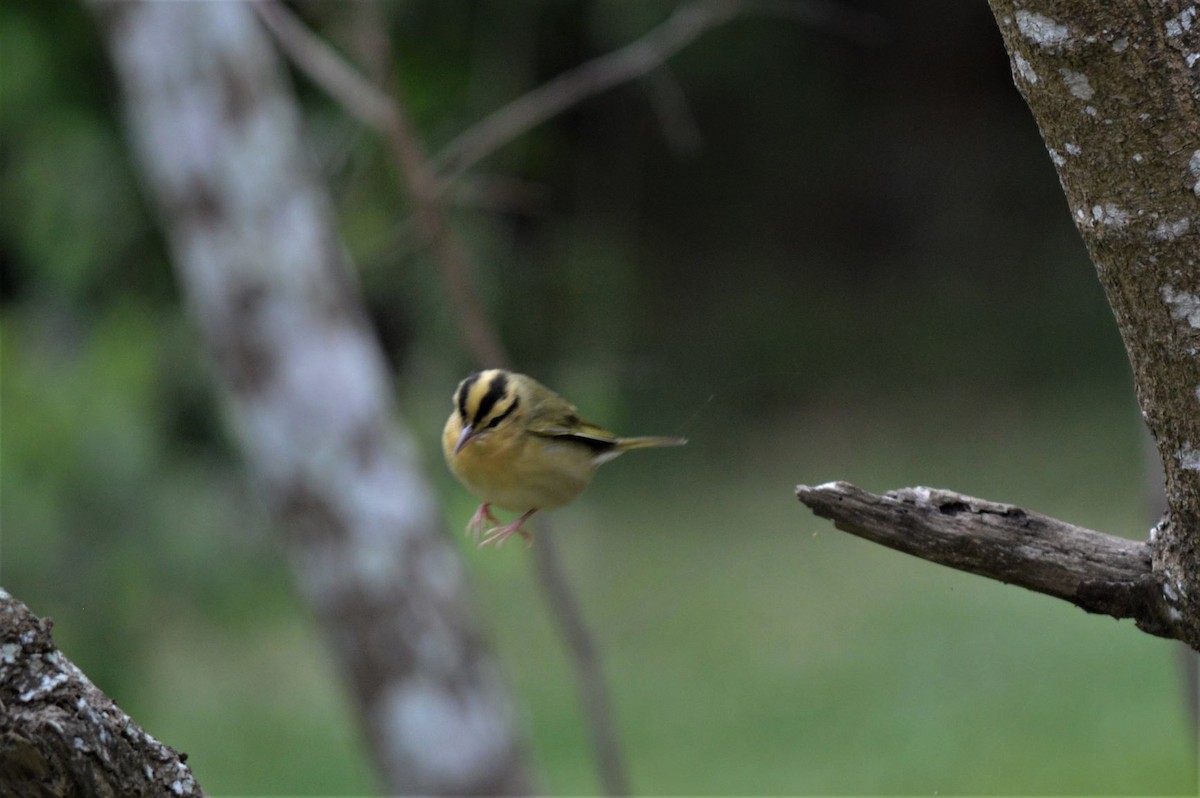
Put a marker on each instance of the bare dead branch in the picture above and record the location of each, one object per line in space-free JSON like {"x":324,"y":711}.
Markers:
{"x":688,"y":22}
{"x":60,"y":735}
{"x":1099,"y":573}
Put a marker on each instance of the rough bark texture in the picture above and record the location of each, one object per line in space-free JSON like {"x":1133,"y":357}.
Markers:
{"x":1115,"y":90}
{"x":252,"y":235}
{"x":61,"y":736}
{"x":1097,"y":572}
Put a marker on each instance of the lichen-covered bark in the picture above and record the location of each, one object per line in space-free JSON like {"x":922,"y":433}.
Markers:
{"x":253,"y":237}
{"x":1115,"y":90}
{"x":61,"y":736}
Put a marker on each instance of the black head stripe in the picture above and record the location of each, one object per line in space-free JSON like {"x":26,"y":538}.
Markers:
{"x":507,"y":412}
{"x":460,"y":397}
{"x":494,"y":393}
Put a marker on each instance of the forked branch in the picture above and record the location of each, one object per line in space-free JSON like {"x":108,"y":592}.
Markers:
{"x":1097,"y":572}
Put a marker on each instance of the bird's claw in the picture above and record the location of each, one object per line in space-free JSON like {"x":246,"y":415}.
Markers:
{"x":500,"y":534}
{"x":480,"y":521}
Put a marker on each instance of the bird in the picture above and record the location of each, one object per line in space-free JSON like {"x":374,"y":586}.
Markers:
{"x":518,"y":445}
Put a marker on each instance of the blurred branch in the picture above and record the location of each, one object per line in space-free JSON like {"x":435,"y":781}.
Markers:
{"x":325,"y":67}
{"x":60,"y":735}
{"x":687,"y":23}
{"x":678,"y":123}
{"x":376,"y":109}
{"x":499,"y":194}
{"x":1097,"y":572}
{"x":593,"y":687}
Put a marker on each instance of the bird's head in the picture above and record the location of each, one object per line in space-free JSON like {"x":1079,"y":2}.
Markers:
{"x":487,"y":402}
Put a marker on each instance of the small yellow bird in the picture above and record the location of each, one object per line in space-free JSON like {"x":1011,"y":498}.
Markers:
{"x":517,"y":444}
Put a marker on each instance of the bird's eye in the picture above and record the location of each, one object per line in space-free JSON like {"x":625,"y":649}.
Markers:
{"x":494,"y":422}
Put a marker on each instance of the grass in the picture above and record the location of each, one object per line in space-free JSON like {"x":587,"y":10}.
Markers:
{"x":751,"y":648}
{"x":258,"y":712}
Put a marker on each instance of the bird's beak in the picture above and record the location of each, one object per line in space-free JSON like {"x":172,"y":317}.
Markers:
{"x":467,"y":434}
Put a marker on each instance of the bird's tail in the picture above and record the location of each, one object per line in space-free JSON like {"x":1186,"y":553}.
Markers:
{"x":625,"y":444}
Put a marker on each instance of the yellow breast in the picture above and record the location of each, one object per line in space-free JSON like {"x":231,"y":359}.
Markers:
{"x":517,"y":470}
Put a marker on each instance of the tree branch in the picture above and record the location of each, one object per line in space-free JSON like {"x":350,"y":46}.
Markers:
{"x":359,"y":97}
{"x":380,"y":111}
{"x":60,"y":735}
{"x":1097,"y":572}
{"x":589,"y":674}
{"x":686,"y":24}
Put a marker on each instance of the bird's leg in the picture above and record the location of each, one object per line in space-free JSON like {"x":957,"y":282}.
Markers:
{"x":503,"y":533}
{"x":479,"y":522}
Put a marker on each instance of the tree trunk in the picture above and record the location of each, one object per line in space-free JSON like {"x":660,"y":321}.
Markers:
{"x":1115,"y":91}
{"x":253,"y":238}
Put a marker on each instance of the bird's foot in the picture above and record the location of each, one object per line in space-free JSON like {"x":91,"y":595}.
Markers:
{"x":480,"y":521}
{"x":500,"y":534}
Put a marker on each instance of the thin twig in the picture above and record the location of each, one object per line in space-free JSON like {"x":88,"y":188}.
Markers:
{"x":378,"y":110}
{"x":609,"y":70}
{"x":688,"y":22}
{"x":327,"y":69}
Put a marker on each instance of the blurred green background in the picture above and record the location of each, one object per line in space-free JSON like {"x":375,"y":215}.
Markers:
{"x":845,"y":260}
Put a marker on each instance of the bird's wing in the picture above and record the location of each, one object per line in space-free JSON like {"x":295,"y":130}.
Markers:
{"x":580,"y":429}
{"x":551,"y":416}
{"x":589,"y":435}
